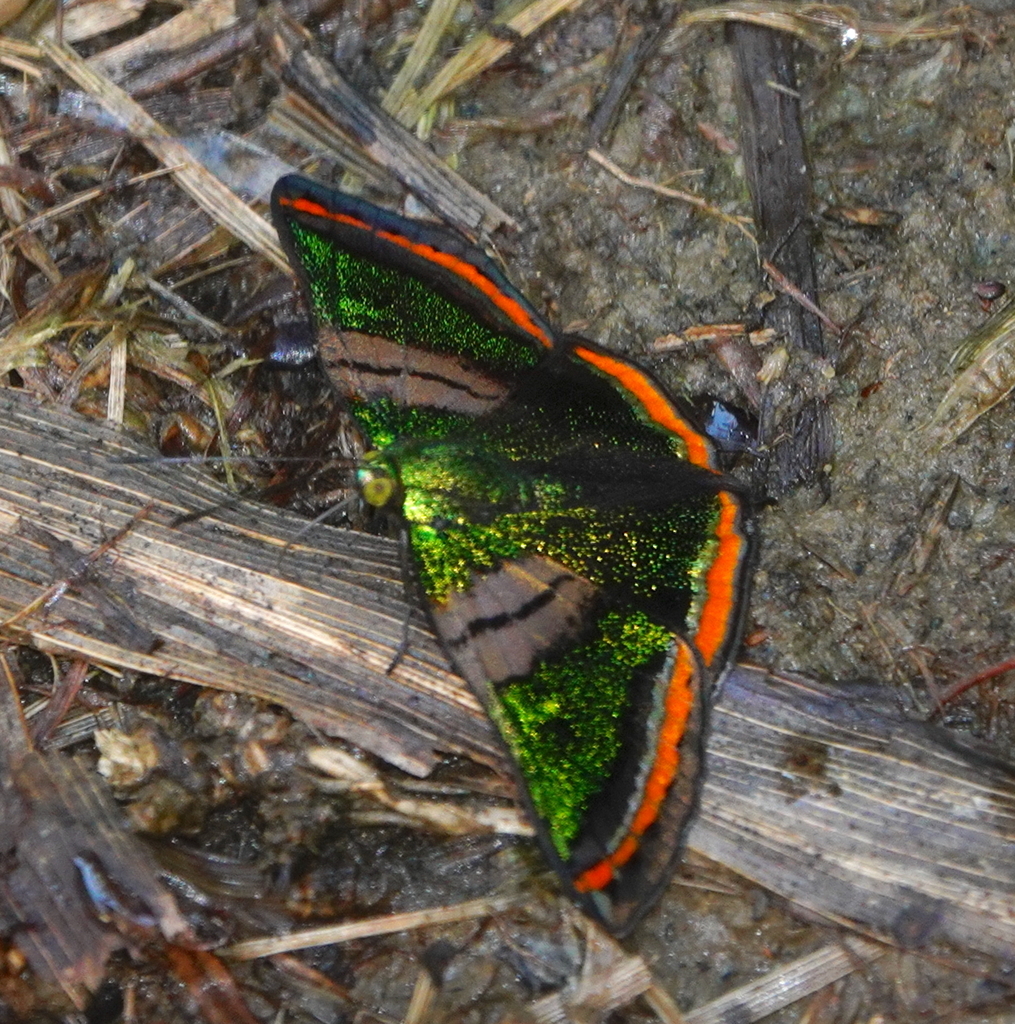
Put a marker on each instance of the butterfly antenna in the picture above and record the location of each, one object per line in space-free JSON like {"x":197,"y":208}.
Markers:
{"x":307,"y":527}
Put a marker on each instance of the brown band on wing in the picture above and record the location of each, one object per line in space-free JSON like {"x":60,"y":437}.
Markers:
{"x":366,"y":368}
{"x":510,"y":619}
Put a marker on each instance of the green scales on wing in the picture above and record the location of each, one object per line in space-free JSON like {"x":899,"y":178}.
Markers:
{"x":564,"y":536}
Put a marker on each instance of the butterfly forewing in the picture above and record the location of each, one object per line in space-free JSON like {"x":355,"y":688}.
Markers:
{"x":583,"y":563}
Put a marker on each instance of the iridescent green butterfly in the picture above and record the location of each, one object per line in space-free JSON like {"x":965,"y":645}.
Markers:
{"x":583,"y":562}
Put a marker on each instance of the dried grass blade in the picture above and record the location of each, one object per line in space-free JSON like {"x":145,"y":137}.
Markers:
{"x":13,"y":209}
{"x":400,"y":99}
{"x":203,"y":187}
{"x":15,"y":49}
{"x":117,"y":399}
{"x":826,"y":26}
{"x":484,"y":51}
{"x":789,"y":983}
{"x":779,"y":17}
{"x":988,"y":377}
{"x":369,"y":927}
{"x":742,"y":224}
{"x":20,"y":344}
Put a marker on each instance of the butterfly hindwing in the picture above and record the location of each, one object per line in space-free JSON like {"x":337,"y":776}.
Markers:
{"x":583,"y":562}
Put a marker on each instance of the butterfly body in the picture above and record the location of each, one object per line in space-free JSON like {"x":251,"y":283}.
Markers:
{"x":583,"y":563}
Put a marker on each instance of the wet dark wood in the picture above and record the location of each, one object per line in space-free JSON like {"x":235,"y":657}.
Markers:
{"x":775,"y":161}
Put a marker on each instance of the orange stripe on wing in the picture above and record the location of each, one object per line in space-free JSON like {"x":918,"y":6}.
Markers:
{"x":722,"y":576}
{"x":655,"y":403}
{"x":677,"y":709}
{"x":512,"y":308}
{"x":722,"y":582}
{"x":714,"y":623}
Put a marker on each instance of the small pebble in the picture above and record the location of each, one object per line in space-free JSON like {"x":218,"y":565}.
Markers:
{"x":989,"y":291}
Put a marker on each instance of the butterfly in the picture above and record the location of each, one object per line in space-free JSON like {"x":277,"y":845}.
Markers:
{"x":582,"y":560}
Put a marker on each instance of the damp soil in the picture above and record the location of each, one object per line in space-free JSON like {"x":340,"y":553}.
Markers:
{"x":866,"y":579}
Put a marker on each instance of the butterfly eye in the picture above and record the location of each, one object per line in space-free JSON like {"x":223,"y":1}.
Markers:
{"x":376,"y":482}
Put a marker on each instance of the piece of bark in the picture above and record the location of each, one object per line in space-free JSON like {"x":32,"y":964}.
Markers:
{"x":834,"y":799}
{"x":243,"y":600}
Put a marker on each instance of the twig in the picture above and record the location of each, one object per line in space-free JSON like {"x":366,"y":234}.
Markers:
{"x":785,"y":285}
{"x":739,"y":222}
{"x":65,"y":690}
{"x":956,"y":689}
{"x":80,"y":199}
{"x":369,"y":927}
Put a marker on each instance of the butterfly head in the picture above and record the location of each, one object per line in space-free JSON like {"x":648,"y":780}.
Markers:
{"x":377,"y":481}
